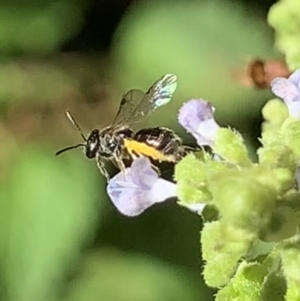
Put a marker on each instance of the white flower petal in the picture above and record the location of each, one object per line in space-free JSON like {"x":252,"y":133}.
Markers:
{"x":285,"y":89}
{"x":295,"y":78}
{"x":197,"y":117}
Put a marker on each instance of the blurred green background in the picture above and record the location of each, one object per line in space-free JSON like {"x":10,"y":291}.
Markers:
{"x":61,"y":238}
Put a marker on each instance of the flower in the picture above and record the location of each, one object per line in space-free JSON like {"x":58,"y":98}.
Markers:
{"x":289,"y":91}
{"x":197,"y":117}
{"x":138,"y":188}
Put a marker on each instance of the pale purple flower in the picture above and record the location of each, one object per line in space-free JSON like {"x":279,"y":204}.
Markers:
{"x":289,"y":91}
{"x":197,"y":117}
{"x":138,"y":188}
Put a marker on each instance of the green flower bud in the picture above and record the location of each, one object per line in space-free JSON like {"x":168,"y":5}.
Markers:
{"x":290,"y":132}
{"x":191,"y":175}
{"x":217,"y":273}
{"x":292,"y":198}
{"x":284,"y":17}
{"x":221,"y":255}
{"x":242,"y":200}
{"x":280,"y":180}
{"x":215,"y":242}
{"x":290,"y":257}
{"x":189,"y":169}
{"x":236,"y":233}
{"x":282,"y":225}
{"x":270,"y":137}
{"x":280,"y":15}
{"x":277,"y":155}
{"x":274,"y":112}
{"x":229,"y":145}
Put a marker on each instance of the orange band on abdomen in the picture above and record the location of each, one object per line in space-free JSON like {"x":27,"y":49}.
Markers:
{"x":141,"y":148}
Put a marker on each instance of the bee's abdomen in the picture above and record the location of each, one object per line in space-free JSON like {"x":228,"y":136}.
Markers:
{"x":157,"y":137}
{"x":163,"y":140}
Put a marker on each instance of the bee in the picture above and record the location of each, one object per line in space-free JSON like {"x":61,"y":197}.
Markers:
{"x":119,"y":142}
{"x":259,"y":73}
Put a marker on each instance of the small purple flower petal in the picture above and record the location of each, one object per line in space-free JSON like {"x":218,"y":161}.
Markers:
{"x":295,"y":78}
{"x":197,"y":117}
{"x":285,"y":89}
{"x":139,"y":188}
{"x":289,"y":91}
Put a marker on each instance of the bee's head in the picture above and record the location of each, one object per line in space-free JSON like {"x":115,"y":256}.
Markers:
{"x":91,"y":144}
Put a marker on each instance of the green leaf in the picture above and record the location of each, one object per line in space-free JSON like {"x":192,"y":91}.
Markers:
{"x":246,"y":284}
{"x":274,"y":112}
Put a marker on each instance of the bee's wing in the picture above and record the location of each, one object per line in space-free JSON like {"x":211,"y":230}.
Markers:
{"x":136,"y":104}
{"x":128,"y":104}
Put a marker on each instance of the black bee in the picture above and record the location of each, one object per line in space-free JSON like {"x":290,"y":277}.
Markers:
{"x":119,"y":142}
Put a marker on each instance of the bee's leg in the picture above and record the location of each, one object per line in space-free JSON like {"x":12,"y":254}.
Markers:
{"x":156,"y":169}
{"x":113,"y":161}
{"x":117,"y":159}
{"x":102,"y":168}
{"x":119,"y":163}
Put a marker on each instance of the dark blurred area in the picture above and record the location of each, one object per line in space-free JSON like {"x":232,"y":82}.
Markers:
{"x":102,"y":18}
{"x":61,"y":237}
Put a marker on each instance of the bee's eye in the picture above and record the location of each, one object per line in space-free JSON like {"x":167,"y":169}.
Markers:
{"x":91,"y":152}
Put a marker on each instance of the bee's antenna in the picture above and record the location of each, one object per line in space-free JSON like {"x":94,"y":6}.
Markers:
{"x":68,"y":148}
{"x":72,"y":120}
